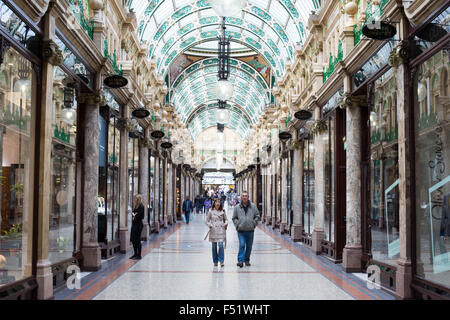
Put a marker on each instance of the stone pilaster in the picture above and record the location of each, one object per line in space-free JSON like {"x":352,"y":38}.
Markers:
{"x":52,"y":56}
{"x":398,"y":60}
{"x":352,"y":252}
{"x":169,"y":191}
{"x":318,"y":233}
{"x":90,"y":248}
{"x":143,"y":180}
{"x":297,"y":191}
{"x":124,"y":231}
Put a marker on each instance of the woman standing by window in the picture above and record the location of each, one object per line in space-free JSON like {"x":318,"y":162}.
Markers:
{"x":137,"y":226}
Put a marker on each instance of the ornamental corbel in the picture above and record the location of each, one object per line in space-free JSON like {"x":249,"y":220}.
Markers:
{"x":399,"y":55}
{"x":145,"y":142}
{"x":319,"y":127}
{"x":97,"y":98}
{"x":51,"y":53}
{"x":125,"y":123}
{"x":346,"y":101}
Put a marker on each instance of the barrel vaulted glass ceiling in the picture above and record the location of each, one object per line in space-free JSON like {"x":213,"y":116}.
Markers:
{"x":271,"y":28}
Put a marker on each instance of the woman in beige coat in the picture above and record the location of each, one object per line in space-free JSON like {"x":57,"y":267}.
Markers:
{"x":217,"y":223}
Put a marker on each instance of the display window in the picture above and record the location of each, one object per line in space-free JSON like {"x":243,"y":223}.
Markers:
{"x":17,"y":111}
{"x":308,"y":184}
{"x":432,"y":169}
{"x":62,"y":209}
{"x":383,"y":171}
{"x":109,"y":164}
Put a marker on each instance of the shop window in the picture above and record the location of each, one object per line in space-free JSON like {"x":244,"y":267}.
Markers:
{"x":329,"y":174}
{"x":109,"y":163}
{"x":62,"y":209}
{"x":432,"y":169}
{"x":17,"y":105}
{"x":308,"y":183}
{"x":384,"y":177}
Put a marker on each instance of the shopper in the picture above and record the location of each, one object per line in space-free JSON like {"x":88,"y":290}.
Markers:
{"x":245,"y":219}
{"x":137,"y":226}
{"x":186,"y":209}
{"x":207,"y":204}
{"x":217,"y":222}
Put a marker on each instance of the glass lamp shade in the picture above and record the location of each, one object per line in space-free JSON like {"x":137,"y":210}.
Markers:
{"x":222,"y":116}
{"x":68,"y":115}
{"x":228,"y":8}
{"x":224,"y":90}
{"x":421,"y":92}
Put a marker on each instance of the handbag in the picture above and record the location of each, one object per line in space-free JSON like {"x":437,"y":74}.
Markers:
{"x":183,"y":217}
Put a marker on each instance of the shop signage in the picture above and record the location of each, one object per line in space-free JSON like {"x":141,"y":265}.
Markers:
{"x":303,"y":115}
{"x":284,"y":135}
{"x":115,"y":81}
{"x":166,"y":145}
{"x":140,"y":113}
{"x":157,"y":134}
{"x":379,"y":30}
{"x":432,"y":32}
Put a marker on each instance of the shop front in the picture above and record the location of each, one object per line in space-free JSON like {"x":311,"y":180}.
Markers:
{"x":431,"y":171}
{"x":109,"y":172}
{"x":334,"y":178}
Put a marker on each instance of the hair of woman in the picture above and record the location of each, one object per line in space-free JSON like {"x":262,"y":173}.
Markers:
{"x":138,"y":201}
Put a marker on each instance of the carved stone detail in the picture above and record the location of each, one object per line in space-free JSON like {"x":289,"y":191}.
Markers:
{"x":51,"y":53}
{"x":399,"y":55}
{"x":97,"y":98}
{"x":319,"y":126}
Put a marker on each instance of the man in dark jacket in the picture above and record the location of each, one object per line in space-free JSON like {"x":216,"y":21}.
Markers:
{"x":245,"y":219}
{"x":187,"y":208}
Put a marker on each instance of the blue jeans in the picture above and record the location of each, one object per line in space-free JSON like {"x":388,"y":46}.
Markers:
{"x":245,"y":245}
{"x":186,"y":214}
{"x":217,"y":256}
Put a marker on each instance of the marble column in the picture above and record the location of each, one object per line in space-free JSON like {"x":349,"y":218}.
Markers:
{"x":52,"y":57}
{"x":297,"y":192}
{"x":143,"y":181}
{"x":398,"y":59}
{"x":352,"y":253}
{"x":156,"y":195}
{"x":182,"y":190}
{"x":283,"y":211}
{"x":318,"y":233}
{"x":124,"y":231}
{"x":90,"y":248}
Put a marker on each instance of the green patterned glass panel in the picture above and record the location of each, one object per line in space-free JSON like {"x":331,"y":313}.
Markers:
{"x":209,"y":20}
{"x":167,"y":45}
{"x":256,"y":30}
{"x":161,"y":31}
{"x":185,"y":29}
{"x":253,"y":43}
{"x":170,"y":57}
{"x":208,"y":34}
{"x":281,"y":32}
{"x":273,"y":46}
{"x":290,"y":6}
{"x":187,"y":42}
{"x":234,"y":21}
{"x":182,"y":12}
{"x":261,"y":13}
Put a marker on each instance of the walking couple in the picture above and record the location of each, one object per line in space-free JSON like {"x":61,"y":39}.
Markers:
{"x":245,"y":219}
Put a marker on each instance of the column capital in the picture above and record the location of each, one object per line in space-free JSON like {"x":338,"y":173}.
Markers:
{"x":399,"y":54}
{"x":51,"y":53}
{"x":350,"y":101}
{"x":319,"y":127}
{"x":97,"y":98}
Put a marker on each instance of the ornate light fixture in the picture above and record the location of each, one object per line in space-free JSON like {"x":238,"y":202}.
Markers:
{"x":68,"y":114}
{"x":224,"y":88}
{"x":222,"y":114}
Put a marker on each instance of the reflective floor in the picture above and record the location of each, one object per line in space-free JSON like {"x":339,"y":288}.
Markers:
{"x":178,"y":266}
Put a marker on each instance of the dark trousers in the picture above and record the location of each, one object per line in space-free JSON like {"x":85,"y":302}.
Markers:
{"x":137,"y":246}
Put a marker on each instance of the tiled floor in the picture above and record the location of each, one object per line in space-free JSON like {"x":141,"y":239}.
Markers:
{"x":178,"y":265}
